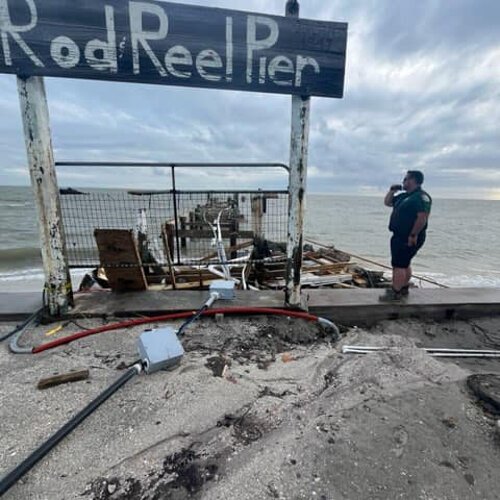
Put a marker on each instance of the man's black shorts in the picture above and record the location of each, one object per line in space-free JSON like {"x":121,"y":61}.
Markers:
{"x":401,"y":253}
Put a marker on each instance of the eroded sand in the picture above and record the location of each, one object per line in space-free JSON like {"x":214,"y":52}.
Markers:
{"x":290,"y":418}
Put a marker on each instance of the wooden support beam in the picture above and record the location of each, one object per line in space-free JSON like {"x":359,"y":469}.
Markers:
{"x":257,"y":215}
{"x":299,"y":145}
{"x":35,"y":117}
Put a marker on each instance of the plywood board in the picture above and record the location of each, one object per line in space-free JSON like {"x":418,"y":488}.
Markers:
{"x":120,"y":259}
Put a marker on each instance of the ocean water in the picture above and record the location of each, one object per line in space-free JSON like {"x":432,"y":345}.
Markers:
{"x":462,"y":247}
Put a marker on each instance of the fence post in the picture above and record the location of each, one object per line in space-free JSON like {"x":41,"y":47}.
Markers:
{"x":35,"y":116}
{"x":299,"y":143}
{"x":176,"y":216}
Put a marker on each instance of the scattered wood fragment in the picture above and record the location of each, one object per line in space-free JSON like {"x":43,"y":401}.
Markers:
{"x":287,"y":357}
{"x":63,"y":378}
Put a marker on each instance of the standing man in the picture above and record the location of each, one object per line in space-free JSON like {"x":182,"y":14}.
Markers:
{"x":410,"y":213}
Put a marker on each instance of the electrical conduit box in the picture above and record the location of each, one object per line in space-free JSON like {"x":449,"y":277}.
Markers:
{"x":160,"y":349}
{"x":225,"y":289}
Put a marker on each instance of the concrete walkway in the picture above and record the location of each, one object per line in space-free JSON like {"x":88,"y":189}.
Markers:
{"x":349,"y":307}
{"x":362,"y":306}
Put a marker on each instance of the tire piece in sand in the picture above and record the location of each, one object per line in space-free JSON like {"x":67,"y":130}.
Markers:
{"x":486,"y":387}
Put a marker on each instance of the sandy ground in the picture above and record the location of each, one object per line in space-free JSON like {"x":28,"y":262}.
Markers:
{"x":290,"y":418}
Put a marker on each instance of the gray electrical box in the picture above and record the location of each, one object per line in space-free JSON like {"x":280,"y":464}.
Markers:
{"x":225,"y":289}
{"x":160,"y":349}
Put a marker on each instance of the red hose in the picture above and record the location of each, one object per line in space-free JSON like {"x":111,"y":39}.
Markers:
{"x":171,"y":316}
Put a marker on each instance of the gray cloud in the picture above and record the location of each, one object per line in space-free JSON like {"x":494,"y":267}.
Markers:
{"x":422,"y":91}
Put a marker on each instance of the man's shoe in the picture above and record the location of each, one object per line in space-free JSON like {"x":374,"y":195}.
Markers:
{"x":391,"y":295}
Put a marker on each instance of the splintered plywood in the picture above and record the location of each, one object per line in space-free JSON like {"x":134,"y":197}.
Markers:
{"x":120,"y":259}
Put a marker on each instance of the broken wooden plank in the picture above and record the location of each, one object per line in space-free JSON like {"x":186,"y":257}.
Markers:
{"x":207,"y":234}
{"x":194,"y":285}
{"x":63,"y":378}
{"x":337,"y":266}
{"x":314,"y":281}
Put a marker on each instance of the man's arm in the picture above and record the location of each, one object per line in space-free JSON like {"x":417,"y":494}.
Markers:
{"x":417,"y":227}
{"x":389,"y":197}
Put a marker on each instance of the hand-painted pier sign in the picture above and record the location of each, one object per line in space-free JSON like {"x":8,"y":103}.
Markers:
{"x":172,"y":44}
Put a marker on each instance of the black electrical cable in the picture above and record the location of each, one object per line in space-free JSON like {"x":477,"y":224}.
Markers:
{"x":12,"y":477}
{"x":23,"y":325}
{"x":78,"y":325}
{"x":190,"y":320}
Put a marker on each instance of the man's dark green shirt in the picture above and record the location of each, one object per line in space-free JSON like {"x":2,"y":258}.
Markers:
{"x":406,"y":206}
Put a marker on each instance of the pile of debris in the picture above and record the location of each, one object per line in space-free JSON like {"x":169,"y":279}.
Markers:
{"x":238,"y":236}
{"x":322,"y":267}
{"x":257,"y":265}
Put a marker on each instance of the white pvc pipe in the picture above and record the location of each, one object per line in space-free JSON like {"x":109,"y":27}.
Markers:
{"x":427,"y":349}
{"x":437,"y":353}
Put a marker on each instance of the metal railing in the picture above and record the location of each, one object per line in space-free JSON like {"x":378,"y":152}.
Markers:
{"x":172,"y":225}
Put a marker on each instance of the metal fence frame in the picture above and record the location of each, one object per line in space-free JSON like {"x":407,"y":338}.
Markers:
{"x":176,"y":192}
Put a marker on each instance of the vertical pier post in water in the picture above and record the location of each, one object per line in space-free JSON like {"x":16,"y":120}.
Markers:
{"x":35,"y":116}
{"x":299,"y":144}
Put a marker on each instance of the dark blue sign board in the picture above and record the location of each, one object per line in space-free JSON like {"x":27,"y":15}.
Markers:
{"x":172,"y":44}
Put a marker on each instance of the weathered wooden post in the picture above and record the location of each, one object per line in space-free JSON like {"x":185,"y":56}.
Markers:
{"x":35,"y":115}
{"x":299,"y":144}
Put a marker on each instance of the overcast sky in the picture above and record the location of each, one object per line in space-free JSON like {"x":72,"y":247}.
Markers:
{"x":422,"y":91}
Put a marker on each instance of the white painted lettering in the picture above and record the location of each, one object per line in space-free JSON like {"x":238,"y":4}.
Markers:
{"x":265,"y":43}
{"x":262,"y":70}
{"x":208,"y":59}
{"x":281,"y":64}
{"x":302,"y":62}
{"x":178,"y":55}
{"x":7,"y":28}
{"x":156,"y":45}
{"x":65,"y":52}
{"x":140,"y":36}
{"x":229,"y":49}
{"x":101,"y":55}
